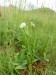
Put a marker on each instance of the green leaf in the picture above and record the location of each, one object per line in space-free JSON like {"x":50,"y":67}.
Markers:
{"x":11,"y":67}
{"x":45,"y":57}
{"x":20,"y":67}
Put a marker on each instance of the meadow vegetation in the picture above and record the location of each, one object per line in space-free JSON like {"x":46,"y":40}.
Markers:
{"x":31,"y":49}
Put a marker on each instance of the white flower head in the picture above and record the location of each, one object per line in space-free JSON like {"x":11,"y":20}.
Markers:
{"x":22,"y":25}
{"x":32,"y":24}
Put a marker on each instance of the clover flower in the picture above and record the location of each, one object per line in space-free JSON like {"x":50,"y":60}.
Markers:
{"x":22,"y":25}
